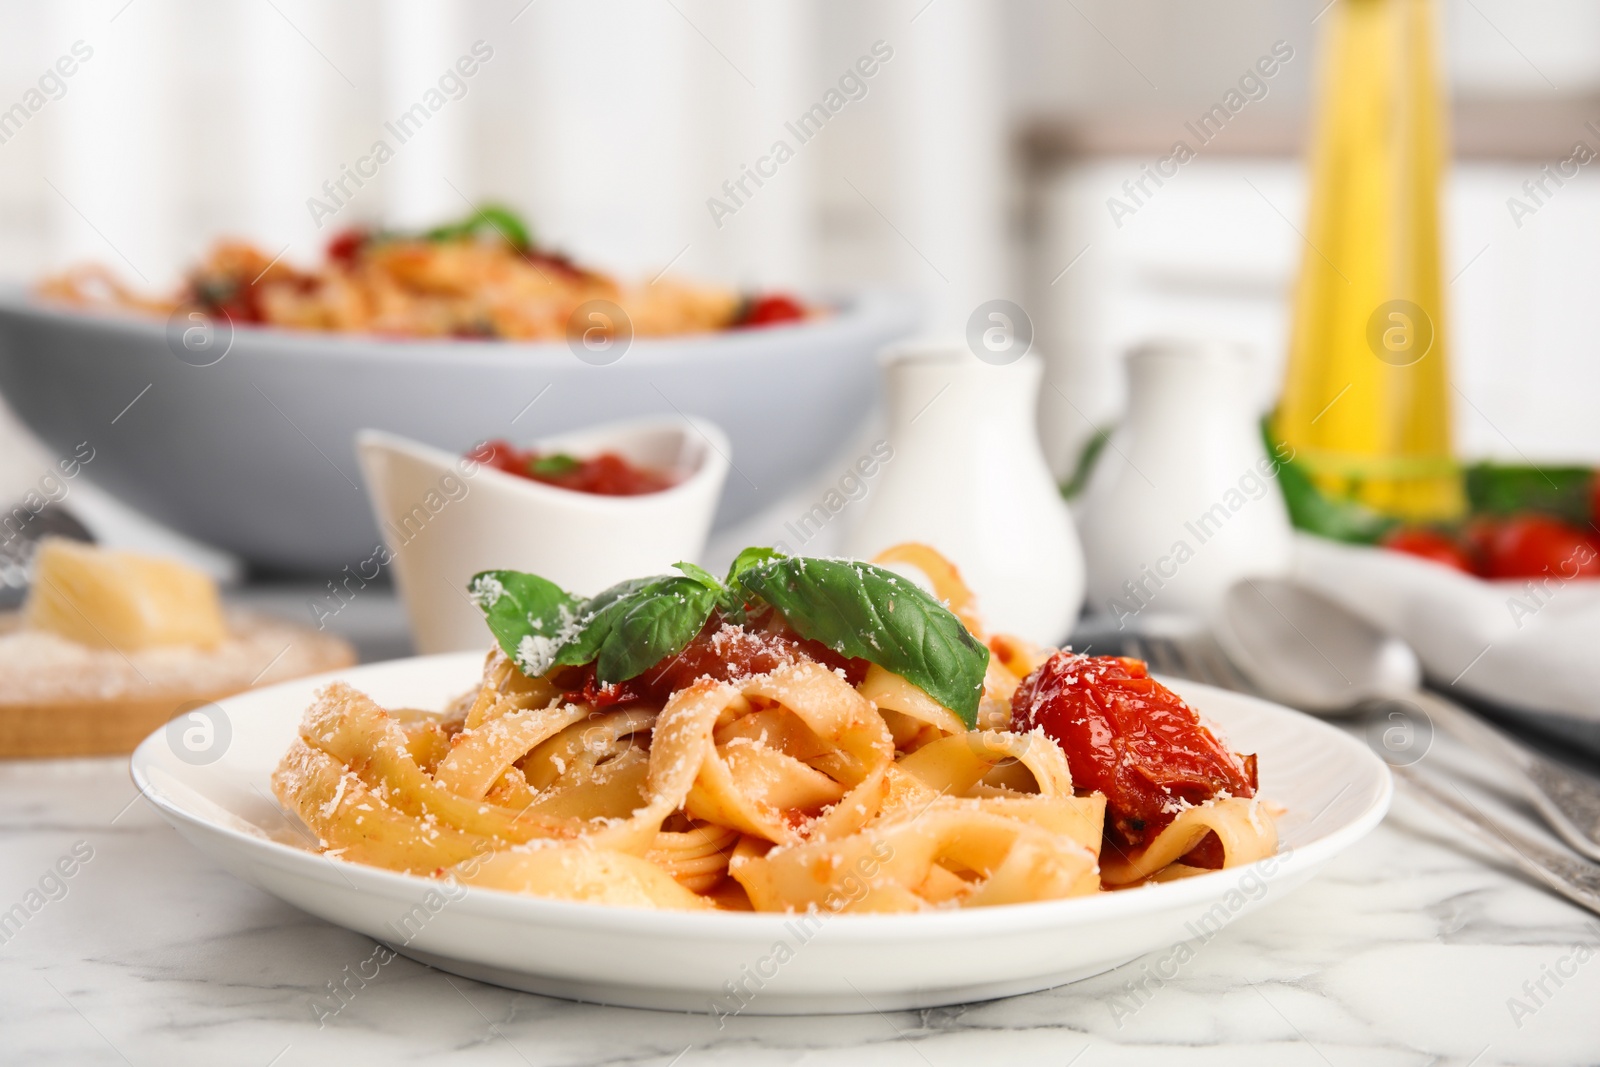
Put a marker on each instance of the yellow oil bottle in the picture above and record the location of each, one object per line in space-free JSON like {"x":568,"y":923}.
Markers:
{"x":1366,"y":398}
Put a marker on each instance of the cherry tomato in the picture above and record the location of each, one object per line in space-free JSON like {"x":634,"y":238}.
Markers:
{"x":1429,"y":544}
{"x":1477,"y":537}
{"x":499,"y":454}
{"x":1534,"y":546}
{"x":346,"y":245}
{"x":772,"y":309}
{"x":1130,"y":737}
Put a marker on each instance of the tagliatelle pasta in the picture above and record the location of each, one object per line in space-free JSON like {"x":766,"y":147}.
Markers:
{"x":483,"y":278}
{"x":802,"y":786}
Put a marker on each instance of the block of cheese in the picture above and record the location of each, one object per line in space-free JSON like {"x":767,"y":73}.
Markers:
{"x":121,"y":600}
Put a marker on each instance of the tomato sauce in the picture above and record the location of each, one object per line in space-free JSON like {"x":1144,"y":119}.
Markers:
{"x":607,"y":474}
{"x":723,"y":652}
{"x":1133,"y":739}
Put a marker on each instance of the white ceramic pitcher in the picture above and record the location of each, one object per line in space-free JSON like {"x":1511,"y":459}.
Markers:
{"x":1184,"y":499}
{"x":968,"y":478}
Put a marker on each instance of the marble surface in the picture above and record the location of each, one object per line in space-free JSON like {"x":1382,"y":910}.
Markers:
{"x":1406,"y":950}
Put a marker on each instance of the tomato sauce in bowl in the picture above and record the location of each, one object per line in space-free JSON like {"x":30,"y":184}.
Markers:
{"x":606,"y":474}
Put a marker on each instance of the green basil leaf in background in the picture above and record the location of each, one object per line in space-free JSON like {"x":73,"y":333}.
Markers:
{"x":1084,"y":468}
{"x":1315,"y":512}
{"x":489,"y":217}
{"x":1564,"y":492}
{"x":655,"y":623}
{"x":870,"y":613}
{"x":701,"y":575}
{"x":529,"y":616}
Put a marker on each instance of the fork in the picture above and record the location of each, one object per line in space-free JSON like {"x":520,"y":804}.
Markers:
{"x":1575,"y":879}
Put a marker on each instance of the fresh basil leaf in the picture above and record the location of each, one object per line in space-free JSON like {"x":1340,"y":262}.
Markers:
{"x":750,"y":557}
{"x":870,"y":613}
{"x":529,"y":616}
{"x":699,"y":574}
{"x":655,"y":623}
{"x":553,"y":465}
{"x":859,"y":610}
{"x":1503,"y":489}
{"x":732,"y":602}
{"x":610,"y":595}
{"x":597,"y":616}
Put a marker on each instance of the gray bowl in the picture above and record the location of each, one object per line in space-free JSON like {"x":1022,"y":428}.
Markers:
{"x":254,"y":452}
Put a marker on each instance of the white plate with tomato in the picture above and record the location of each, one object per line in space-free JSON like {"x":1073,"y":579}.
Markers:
{"x":1332,"y":791}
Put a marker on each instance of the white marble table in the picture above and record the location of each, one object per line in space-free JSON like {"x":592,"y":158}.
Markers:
{"x":1404,"y":951}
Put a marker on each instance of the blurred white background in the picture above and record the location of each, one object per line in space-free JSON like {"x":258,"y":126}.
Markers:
{"x":976,"y":162}
{"x":610,"y":124}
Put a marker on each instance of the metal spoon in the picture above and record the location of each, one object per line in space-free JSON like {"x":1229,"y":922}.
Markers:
{"x":1311,"y":652}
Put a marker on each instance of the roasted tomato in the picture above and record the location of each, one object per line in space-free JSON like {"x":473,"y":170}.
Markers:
{"x":1535,"y":546}
{"x":1131,"y":738}
{"x":771,"y":310}
{"x":1428,"y":544}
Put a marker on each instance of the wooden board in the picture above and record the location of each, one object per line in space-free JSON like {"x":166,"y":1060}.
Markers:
{"x":96,"y":728}
{"x":115,"y":727}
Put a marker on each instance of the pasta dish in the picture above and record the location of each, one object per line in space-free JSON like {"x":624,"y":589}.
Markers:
{"x":803,"y":735}
{"x":481,"y":278}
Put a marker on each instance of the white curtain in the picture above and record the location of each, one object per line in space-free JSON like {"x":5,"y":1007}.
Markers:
{"x":611,"y":123}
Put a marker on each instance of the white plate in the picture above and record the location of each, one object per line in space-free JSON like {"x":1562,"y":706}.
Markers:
{"x":1334,"y":788}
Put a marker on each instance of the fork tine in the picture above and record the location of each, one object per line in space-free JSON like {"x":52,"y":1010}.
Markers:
{"x":1163,"y":657}
{"x":1566,"y":874}
{"x":1223,"y":671}
{"x":1191,"y":655}
{"x":1133,"y":647}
